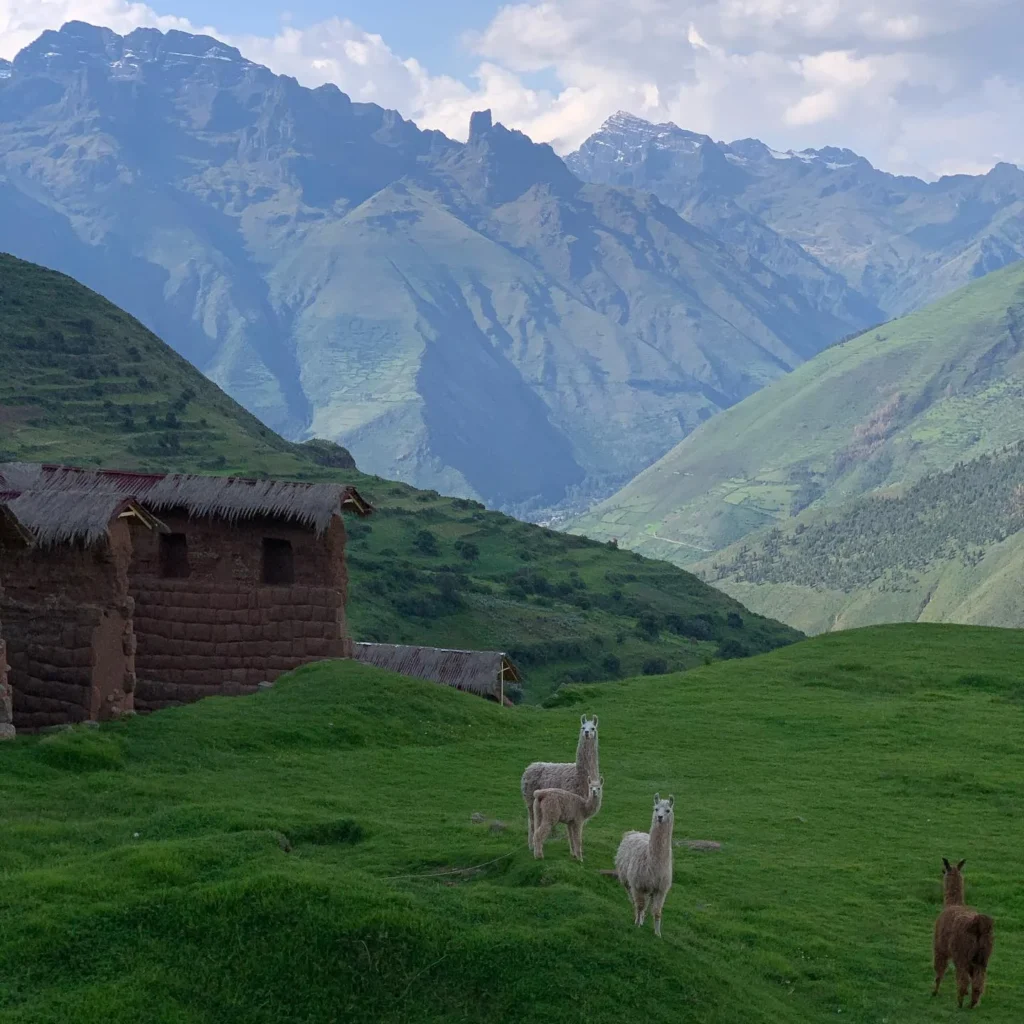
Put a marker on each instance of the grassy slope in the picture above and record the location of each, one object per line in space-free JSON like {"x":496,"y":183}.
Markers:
{"x":914,"y":396}
{"x":567,"y":609}
{"x":949,"y":548}
{"x":564,"y":608}
{"x":83,"y":382}
{"x":145,"y":876}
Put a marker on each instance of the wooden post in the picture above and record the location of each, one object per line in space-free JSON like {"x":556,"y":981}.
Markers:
{"x":501,"y":681}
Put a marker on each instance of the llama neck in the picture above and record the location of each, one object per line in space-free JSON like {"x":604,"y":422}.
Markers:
{"x":661,"y":838}
{"x":954,"y":896}
{"x":586,"y":756}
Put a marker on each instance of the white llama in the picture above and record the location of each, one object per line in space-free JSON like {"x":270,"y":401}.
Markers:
{"x":551,"y":806}
{"x":643,"y":863}
{"x":573,"y":776}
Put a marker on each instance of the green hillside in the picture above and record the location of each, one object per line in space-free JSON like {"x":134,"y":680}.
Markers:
{"x":948,"y":548}
{"x":83,"y":383}
{"x":309,"y":854}
{"x":915,"y":396}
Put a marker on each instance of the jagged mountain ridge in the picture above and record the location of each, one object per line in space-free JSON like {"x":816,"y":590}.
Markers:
{"x":467,"y":317}
{"x":898,"y":241}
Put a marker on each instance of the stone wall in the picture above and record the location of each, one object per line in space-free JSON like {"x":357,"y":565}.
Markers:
{"x":68,"y":624}
{"x":221,"y":629}
{"x":6,"y":719}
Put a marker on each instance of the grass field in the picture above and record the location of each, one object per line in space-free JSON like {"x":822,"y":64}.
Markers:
{"x":278,"y":858}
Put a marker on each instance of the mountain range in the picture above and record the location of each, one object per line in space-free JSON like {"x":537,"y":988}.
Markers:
{"x":471,"y":317}
{"x":897,"y":241}
{"x":877,"y":482}
{"x":483,"y":318}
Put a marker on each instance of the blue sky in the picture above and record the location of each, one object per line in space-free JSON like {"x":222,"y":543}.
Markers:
{"x":430,"y":32}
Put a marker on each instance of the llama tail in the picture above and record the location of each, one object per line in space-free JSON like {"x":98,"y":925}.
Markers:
{"x":982,"y":930}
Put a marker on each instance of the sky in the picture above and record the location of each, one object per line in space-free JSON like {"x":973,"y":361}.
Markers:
{"x":925,"y":87}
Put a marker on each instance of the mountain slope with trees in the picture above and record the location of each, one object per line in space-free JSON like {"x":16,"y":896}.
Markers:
{"x":948,"y":548}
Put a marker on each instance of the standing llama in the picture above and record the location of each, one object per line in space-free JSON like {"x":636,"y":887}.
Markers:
{"x":643,"y":863}
{"x":963,"y":936}
{"x":551,"y":806}
{"x":573,"y":776}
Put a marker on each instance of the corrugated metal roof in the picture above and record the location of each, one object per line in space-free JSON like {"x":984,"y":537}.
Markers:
{"x":479,"y":672}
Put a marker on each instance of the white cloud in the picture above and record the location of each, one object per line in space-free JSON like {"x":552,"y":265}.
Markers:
{"x":911,"y":84}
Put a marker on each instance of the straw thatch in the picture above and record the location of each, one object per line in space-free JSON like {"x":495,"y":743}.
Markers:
{"x":58,"y":518}
{"x":479,"y":672}
{"x":230,"y":498}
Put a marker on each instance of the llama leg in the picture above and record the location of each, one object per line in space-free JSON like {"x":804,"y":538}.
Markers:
{"x":657,"y":903}
{"x":977,"y":985}
{"x":529,"y":824}
{"x":645,"y":899}
{"x":637,"y":899}
{"x":941,"y":963}
{"x":541,"y":830}
{"x":963,"y":981}
{"x":575,"y":841}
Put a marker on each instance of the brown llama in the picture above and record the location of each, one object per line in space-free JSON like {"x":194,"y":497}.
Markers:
{"x":963,"y":936}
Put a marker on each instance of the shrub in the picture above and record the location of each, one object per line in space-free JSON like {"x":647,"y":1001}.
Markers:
{"x":469,"y":551}
{"x":732,"y":649}
{"x":648,"y":626}
{"x":425,"y":543}
{"x":611,"y":664}
{"x":735,"y":620}
{"x":655,"y":667}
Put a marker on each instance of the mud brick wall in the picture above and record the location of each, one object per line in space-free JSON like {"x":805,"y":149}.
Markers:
{"x":222,"y":630}
{"x":6,"y":721}
{"x":68,"y":625}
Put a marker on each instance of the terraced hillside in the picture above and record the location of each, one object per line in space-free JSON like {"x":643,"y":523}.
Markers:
{"x":310,"y":854}
{"x":81,"y":382}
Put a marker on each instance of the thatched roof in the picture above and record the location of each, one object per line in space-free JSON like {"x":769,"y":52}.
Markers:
{"x":59,"y":517}
{"x":230,"y":498}
{"x":480,"y":672}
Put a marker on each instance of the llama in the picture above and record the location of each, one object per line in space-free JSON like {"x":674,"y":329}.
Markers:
{"x":963,"y":936}
{"x":643,"y":863}
{"x":573,"y":776}
{"x":551,"y":806}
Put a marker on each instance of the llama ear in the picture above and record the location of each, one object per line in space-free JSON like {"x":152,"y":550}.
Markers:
{"x":671,"y":800}
{"x":583,"y":719}
{"x":601,"y":780}
{"x":960,"y":866}
{"x":595,"y":721}
{"x":945,"y":864}
{"x":657,"y":799}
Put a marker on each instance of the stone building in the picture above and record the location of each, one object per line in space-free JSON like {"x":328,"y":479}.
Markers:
{"x":226,"y":582}
{"x":12,"y":537}
{"x":66,"y":611}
